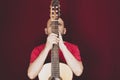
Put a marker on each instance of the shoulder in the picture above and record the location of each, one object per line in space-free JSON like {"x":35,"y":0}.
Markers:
{"x":69,"y":44}
{"x":39,"y":47}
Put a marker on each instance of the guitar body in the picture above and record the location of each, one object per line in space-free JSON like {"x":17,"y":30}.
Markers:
{"x":65,"y":72}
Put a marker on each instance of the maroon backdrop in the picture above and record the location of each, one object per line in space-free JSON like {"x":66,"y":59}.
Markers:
{"x":91,"y":24}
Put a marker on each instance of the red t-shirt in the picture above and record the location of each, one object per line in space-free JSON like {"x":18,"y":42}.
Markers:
{"x":71,"y":47}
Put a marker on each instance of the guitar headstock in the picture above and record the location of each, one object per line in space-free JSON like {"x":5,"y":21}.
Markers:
{"x":55,"y":10}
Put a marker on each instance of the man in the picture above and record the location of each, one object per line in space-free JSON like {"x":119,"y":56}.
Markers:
{"x":69,"y":53}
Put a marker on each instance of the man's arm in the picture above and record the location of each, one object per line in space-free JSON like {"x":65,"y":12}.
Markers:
{"x":35,"y":67}
{"x":74,"y":64}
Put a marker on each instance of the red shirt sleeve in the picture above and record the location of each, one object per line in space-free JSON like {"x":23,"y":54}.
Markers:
{"x":76,"y":53}
{"x":74,"y":50}
{"x":35,"y":52}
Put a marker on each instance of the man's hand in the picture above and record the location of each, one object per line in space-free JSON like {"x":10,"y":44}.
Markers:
{"x":54,"y":39}
{"x":51,"y":39}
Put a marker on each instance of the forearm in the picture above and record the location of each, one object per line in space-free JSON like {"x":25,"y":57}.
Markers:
{"x":73,"y":63}
{"x":35,"y":67}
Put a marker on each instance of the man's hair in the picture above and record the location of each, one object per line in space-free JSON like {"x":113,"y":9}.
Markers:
{"x":60,"y":21}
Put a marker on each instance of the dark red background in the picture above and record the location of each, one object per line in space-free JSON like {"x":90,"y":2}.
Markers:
{"x":91,"y":24}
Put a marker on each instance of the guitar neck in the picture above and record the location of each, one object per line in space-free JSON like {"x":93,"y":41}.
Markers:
{"x":54,"y":15}
{"x":55,"y":61}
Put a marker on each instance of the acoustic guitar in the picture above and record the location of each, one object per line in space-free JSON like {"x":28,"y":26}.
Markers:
{"x":55,"y":70}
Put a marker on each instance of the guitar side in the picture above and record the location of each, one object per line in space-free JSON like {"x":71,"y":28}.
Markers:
{"x":65,"y":72}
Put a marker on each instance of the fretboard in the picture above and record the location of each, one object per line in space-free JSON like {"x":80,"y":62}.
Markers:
{"x":55,"y":62}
